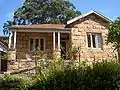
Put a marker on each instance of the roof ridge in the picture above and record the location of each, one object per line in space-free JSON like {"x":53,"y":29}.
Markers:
{"x":86,"y":14}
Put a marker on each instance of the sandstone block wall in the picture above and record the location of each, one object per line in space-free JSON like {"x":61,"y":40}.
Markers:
{"x":91,"y":24}
{"x":22,"y":45}
{"x":11,"y":55}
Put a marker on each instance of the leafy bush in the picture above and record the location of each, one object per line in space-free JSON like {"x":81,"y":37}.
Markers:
{"x":101,"y":76}
{"x":13,"y":82}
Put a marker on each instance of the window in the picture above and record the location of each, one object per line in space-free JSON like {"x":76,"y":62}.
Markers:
{"x":35,"y":43}
{"x":31,"y":45}
{"x":89,"y":40}
{"x":42,"y":44}
{"x":94,"y":40}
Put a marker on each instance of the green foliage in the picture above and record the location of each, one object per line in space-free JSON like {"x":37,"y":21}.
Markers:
{"x":72,"y":52}
{"x":106,"y":75}
{"x":114,"y":35}
{"x":6,"y":27}
{"x":39,"y":52}
{"x":14,"y":82}
{"x":9,"y":83}
{"x":25,"y":84}
{"x":4,"y":56}
{"x":114,"y":32}
{"x":42,"y":12}
{"x":102,"y":76}
{"x":45,"y":11}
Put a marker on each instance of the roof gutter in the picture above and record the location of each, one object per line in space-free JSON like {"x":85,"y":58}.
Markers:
{"x":29,"y":29}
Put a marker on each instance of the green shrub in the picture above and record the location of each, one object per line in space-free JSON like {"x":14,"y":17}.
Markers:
{"x":7,"y":83}
{"x":106,"y":75}
{"x":13,"y":82}
{"x":101,"y":76}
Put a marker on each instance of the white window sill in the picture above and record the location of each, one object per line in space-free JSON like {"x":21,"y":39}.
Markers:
{"x":95,"y":49}
{"x":35,"y":51}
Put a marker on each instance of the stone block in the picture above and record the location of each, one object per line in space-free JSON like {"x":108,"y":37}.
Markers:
{"x":12,"y":54}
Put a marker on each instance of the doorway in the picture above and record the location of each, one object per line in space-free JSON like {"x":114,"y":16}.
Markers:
{"x":63,"y":49}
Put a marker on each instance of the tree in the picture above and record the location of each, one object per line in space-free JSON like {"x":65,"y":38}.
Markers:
{"x":6,"y":27}
{"x":114,"y":35}
{"x":44,"y":12}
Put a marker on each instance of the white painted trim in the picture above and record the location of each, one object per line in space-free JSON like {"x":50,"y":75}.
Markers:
{"x":91,"y":40}
{"x":9,"y":44}
{"x":3,"y":48}
{"x":14,"y":39}
{"x":58,"y":41}
{"x":96,"y":41}
{"x":84,"y":15}
{"x":53,"y":40}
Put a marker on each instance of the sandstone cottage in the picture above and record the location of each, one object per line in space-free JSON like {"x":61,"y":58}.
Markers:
{"x":87,"y":31}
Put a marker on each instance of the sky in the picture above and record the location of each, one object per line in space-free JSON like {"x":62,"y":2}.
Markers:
{"x":109,"y":8}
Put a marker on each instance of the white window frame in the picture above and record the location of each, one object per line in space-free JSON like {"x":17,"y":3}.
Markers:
{"x":34,"y":43}
{"x":96,"y":41}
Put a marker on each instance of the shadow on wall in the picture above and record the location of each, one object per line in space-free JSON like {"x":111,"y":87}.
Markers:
{"x":3,"y":61}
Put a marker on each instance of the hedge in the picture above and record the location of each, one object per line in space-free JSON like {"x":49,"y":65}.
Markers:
{"x":100,"y":76}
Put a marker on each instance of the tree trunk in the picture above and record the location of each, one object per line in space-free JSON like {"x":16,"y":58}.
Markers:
{"x":118,"y":50}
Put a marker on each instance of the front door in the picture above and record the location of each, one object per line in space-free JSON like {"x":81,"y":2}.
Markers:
{"x":63,"y":49}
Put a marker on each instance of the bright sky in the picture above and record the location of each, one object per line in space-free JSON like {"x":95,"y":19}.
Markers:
{"x":109,"y":8}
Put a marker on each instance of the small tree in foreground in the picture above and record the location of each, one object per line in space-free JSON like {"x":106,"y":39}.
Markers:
{"x":114,"y":35}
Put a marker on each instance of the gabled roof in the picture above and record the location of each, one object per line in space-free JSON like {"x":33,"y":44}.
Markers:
{"x":84,"y":15}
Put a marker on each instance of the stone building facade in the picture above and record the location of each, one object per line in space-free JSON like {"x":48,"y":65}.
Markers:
{"x":88,"y":32}
{"x":91,"y":25}
{"x":23,"y":40}
{"x":23,"y":43}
